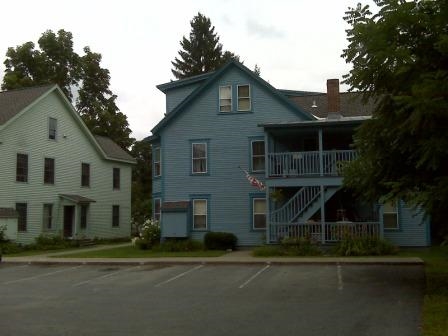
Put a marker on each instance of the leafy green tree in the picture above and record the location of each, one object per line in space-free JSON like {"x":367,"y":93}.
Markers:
{"x":141,"y":182}
{"x":56,"y":62}
{"x":202,"y":52}
{"x":400,"y":58}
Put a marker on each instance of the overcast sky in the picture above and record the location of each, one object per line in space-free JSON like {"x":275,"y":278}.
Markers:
{"x":296,"y":43}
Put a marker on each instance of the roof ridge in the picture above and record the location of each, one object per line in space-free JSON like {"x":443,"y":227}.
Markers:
{"x":28,"y":88}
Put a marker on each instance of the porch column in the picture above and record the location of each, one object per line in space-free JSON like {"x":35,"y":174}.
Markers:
{"x":321,"y":153}
{"x":268,"y":201}
{"x":322,"y":213}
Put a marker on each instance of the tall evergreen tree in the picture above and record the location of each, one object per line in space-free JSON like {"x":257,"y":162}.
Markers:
{"x":56,"y":62}
{"x":202,"y":52}
{"x":400,"y":57}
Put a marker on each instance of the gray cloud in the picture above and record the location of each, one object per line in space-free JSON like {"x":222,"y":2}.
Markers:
{"x":258,"y":29}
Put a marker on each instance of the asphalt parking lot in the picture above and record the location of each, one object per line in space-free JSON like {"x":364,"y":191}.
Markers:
{"x":207,"y":299}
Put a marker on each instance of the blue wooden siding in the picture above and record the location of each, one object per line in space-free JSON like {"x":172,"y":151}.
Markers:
{"x":175,"y":96}
{"x":228,"y":136}
{"x":413,"y":228}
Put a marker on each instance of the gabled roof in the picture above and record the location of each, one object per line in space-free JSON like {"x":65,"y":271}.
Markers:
{"x":112,"y":150}
{"x":212,"y":78}
{"x":351,"y":104}
{"x":13,"y":103}
{"x":182,"y":82}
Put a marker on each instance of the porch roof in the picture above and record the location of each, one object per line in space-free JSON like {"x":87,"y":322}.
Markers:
{"x":77,"y":198}
{"x":320,"y":123}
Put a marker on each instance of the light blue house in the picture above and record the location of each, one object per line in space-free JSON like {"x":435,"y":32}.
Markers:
{"x":219,"y":126}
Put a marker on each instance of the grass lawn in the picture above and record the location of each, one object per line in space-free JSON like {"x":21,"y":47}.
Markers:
{"x":435,"y":302}
{"x":133,"y":252}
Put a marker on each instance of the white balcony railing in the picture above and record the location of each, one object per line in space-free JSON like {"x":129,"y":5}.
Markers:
{"x":292,"y":164}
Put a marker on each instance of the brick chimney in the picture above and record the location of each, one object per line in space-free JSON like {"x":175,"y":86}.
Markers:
{"x":333,"y":99}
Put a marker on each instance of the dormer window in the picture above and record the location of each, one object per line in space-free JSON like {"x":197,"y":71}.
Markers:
{"x":225,"y":98}
{"x":52,"y":128}
{"x":244,"y":98}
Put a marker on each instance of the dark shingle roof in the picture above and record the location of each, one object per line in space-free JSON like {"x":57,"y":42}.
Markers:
{"x":112,"y":150}
{"x":351,"y":104}
{"x":14,"y":101}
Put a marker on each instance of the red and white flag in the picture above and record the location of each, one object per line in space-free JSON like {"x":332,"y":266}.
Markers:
{"x":254,"y":181}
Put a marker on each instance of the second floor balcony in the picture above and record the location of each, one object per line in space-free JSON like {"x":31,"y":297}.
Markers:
{"x":310,"y":163}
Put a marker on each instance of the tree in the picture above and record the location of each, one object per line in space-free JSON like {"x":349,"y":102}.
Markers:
{"x":141,"y":182}
{"x":400,"y":58}
{"x":56,"y":62}
{"x":202,"y":52}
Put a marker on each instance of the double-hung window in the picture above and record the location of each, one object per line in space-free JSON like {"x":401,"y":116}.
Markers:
{"x":199,"y":157}
{"x":225,"y":98}
{"x":390,"y":215}
{"x":52,"y":128}
{"x":49,"y":171}
{"x":244,"y":103}
{"x":257,"y":149}
{"x":116,"y":178}
{"x":157,"y":162}
{"x":22,"y":168}
{"x":83,"y":217}
{"x":22,"y":210}
{"x":259,"y":213}
{"x":48,"y":216}
{"x":115,"y":215}
{"x":85,"y":175}
{"x":200,"y":214}
{"x":157,"y":209}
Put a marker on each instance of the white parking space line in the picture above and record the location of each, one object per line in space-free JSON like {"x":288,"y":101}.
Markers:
{"x":254,"y":276}
{"x":104,"y":276}
{"x":179,"y":276}
{"x":41,"y":275}
{"x":340,"y":281}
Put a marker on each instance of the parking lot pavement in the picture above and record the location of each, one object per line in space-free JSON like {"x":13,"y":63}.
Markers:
{"x":204,"y":299}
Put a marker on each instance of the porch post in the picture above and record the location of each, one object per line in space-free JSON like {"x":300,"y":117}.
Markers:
{"x":266,"y":174}
{"x":322,"y":213}
{"x":321,"y":153}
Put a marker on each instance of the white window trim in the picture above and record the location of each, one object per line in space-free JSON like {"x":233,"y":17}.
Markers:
{"x":397,"y":225}
{"x":220,"y":99}
{"x":159,"y":162}
{"x":206,"y":214}
{"x":248,"y":97}
{"x":55,"y":130}
{"x":199,"y":158}
{"x":160,"y":209}
{"x":46,"y":218}
{"x":252,"y":156}
{"x":254,"y":213}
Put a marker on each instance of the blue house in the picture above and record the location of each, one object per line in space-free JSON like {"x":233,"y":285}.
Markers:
{"x":225,"y":131}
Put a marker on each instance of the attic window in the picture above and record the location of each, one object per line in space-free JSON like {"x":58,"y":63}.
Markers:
{"x":52,"y":127}
{"x":225,"y":98}
{"x":243,"y":98}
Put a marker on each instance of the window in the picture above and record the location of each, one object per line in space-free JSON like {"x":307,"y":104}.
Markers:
{"x":21,"y":208}
{"x":116,"y":178}
{"x":199,"y":158}
{"x":390,"y":215}
{"x":157,"y":162}
{"x":157,"y":209}
{"x":83,"y":217}
{"x":48,"y":216}
{"x":259,"y":213}
{"x":115,"y":215}
{"x":225,"y":98}
{"x":22,"y":168}
{"x":52,"y":127}
{"x":200,"y":214}
{"x":85,"y":174}
{"x":257,"y":155}
{"x":49,"y":171}
{"x":244,"y":98}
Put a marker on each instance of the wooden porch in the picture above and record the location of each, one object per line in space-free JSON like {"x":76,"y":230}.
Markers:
{"x":327,"y":232}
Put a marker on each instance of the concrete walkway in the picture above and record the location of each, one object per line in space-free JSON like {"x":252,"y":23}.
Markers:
{"x":234,"y":257}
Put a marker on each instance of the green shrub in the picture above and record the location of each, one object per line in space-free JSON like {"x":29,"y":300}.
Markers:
{"x":220,"y":241}
{"x":149,"y":235}
{"x":364,"y":246}
{"x":10,"y":248}
{"x":301,"y":246}
{"x":179,"y":245}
